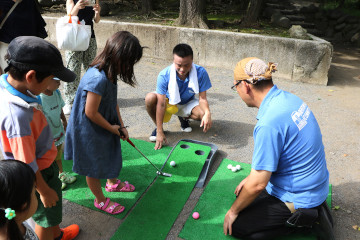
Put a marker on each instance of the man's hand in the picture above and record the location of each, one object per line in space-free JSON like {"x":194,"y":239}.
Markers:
{"x":230,"y":218}
{"x":49,"y":198}
{"x":239,"y":187}
{"x":206,"y":122}
{"x":160,"y":140}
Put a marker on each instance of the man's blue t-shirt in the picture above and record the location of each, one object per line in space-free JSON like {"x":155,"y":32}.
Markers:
{"x":186,"y":93}
{"x":288,"y":143}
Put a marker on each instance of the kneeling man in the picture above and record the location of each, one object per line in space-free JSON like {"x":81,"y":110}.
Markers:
{"x":289,"y":180}
{"x":175,"y":94}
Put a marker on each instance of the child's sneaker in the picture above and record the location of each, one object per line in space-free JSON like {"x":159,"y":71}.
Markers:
{"x":63,"y":185}
{"x":70,"y":232}
{"x":66,"y":178}
{"x":185,"y":126}
{"x":152,"y":137}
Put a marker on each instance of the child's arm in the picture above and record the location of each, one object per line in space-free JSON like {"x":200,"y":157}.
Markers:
{"x":63,"y":118}
{"x":97,"y":10}
{"x":91,"y":111}
{"x":48,"y":195}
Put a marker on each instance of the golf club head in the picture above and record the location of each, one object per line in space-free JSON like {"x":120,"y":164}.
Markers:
{"x":163,"y":174}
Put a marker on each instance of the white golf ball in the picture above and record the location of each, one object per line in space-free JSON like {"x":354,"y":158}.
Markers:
{"x":238,"y":167}
{"x":234,"y":169}
{"x":229,"y":166}
{"x":173,"y":163}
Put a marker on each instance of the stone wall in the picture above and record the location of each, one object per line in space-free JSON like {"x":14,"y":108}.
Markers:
{"x":299,"y":60}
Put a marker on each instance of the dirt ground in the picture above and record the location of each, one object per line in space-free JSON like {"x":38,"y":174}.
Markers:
{"x":335,"y":106}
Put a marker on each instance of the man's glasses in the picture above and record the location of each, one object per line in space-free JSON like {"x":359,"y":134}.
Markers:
{"x":236,"y":84}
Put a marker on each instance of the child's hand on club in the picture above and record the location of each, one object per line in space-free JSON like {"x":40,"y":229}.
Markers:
{"x":124,"y":135}
{"x":115,"y":129}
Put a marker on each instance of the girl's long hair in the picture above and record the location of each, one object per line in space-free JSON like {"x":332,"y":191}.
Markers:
{"x":121,"y":52}
{"x":17,"y":180}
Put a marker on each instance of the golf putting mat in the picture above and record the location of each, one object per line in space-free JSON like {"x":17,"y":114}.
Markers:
{"x":136,"y":170}
{"x":216,"y":201}
{"x":156,"y":212}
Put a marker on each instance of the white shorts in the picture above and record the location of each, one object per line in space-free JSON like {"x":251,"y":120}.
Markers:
{"x":185,"y":109}
{"x":3,"y":51}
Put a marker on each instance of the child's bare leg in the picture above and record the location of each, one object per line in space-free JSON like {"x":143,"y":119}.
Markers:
{"x":59,"y":163}
{"x":95,"y":187}
{"x":58,"y":159}
{"x":47,"y":233}
{"x":112,"y":181}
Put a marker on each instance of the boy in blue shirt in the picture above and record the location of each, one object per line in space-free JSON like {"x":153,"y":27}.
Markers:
{"x":176,"y":87}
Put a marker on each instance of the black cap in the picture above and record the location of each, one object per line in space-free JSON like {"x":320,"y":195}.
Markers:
{"x":37,"y":54}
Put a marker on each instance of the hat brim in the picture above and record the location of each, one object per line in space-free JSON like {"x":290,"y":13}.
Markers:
{"x":65,"y":75}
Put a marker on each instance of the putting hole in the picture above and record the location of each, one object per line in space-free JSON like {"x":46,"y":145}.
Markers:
{"x":184,"y":146}
{"x":199,"y":152}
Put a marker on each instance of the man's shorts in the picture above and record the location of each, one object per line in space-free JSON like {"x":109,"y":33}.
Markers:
{"x":185,"y":109}
{"x":50,"y":217}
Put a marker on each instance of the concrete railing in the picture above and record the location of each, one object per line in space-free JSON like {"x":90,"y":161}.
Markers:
{"x":298,"y":60}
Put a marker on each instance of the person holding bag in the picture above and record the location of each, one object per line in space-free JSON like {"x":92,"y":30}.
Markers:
{"x":74,"y":59}
{"x":23,"y":20}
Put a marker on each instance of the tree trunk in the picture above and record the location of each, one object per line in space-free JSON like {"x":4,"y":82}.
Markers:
{"x":252,"y":14}
{"x":146,"y":6}
{"x":192,"y":14}
{"x":244,"y":4}
{"x":341,"y":3}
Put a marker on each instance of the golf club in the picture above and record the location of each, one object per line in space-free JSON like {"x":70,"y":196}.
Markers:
{"x":158,"y":172}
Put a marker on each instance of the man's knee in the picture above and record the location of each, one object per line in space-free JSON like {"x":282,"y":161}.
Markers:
{"x":150,"y":100}
{"x":197,"y":113}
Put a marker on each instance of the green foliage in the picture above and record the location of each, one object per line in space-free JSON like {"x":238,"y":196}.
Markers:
{"x":351,"y":7}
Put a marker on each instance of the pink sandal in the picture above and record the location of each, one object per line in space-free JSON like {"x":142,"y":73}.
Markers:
{"x":114,"y":188}
{"x":102,"y":206}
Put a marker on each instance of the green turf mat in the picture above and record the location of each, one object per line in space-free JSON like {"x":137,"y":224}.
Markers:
{"x":154,"y":215}
{"x":136,"y":170}
{"x":216,"y":201}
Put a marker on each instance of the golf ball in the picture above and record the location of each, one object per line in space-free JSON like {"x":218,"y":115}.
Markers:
{"x":238,"y":167}
{"x":234,"y":169}
{"x":229,"y":166}
{"x":173,"y":163}
{"x":196,"y":215}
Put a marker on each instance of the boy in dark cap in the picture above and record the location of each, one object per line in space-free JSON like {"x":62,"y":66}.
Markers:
{"x":26,"y":135}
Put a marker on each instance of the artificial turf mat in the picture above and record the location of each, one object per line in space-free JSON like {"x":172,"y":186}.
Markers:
{"x":216,"y":200}
{"x":154,"y":215}
{"x":136,"y":170}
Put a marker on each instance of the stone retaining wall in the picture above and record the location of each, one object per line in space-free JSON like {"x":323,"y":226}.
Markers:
{"x":299,"y":60}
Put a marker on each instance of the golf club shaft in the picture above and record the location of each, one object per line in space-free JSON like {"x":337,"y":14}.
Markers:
{"x":132,"y":144}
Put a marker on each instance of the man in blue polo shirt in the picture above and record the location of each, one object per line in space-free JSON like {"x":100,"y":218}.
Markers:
{"x":289,"y":178}
{"x":176,"y":88}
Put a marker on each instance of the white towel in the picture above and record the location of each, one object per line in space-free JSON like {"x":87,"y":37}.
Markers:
{"x":173,"y":88}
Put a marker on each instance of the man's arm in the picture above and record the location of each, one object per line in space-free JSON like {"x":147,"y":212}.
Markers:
{"x":160,"y":111}
{"x":254,"y":185}
{"x":204,"y":105}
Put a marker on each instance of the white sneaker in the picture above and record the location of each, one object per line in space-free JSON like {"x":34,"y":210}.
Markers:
{"x":152,"y":137}
{"x":185,"y":126}
{"x":67,"y":109}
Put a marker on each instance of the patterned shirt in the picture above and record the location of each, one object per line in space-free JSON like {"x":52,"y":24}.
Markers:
{"x":25,"y":133}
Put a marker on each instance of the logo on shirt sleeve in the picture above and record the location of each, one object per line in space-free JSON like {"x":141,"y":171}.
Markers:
{"x":300,"y":116}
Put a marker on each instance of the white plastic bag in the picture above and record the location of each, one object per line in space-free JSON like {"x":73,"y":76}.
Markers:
{"x":71,"y":35}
